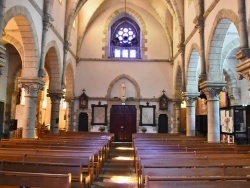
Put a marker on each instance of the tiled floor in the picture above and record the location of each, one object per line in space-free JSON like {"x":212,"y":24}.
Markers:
{"x":118,"y":171}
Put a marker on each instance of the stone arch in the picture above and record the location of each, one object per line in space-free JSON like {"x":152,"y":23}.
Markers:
{"x":233,"y":44}
{"x":28,"y":33}
{"x":11,"y":40}
{"x":53,"y":66}
{"x":233,"y":89}
{"x":216,"y":39}
{"x":193,"y":69}
{"x":116,"y":15}
{"x":69,"y":78}
{"x":136,"y":85}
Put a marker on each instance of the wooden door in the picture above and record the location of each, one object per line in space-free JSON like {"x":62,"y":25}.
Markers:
{"x":163,"y":123}
{"x":83,"y":122}
{"x":123,"y":122}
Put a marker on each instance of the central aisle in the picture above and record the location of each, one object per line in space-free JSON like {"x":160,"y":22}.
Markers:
{"x":118,"y":171}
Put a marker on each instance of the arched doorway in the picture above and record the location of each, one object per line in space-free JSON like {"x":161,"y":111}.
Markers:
{"x":163,"y":123}
{"x":83,"y":122}
{"x":123,"y":122}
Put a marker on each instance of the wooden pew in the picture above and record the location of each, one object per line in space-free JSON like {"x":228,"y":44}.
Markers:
{"x":190,"y":172}
{"x":51,"y":168}
{"x":87,"y":166}
{"x":186,"y":156}
{"x":42,"y":180}
{"x":101,"y":148}
{"x":195,"y":182}
{"x":190,"y":164}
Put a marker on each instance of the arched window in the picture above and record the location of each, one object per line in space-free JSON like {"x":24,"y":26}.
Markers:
{"x":125,"y":39}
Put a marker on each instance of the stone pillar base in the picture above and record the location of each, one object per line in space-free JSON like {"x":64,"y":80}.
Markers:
{"x":213,"y":137}
{"x":190,"y":133}
{"x":28,"y":133}
{"x":54,"y":130}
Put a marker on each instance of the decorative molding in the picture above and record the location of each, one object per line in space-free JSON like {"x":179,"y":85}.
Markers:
{"x":126,"y":60}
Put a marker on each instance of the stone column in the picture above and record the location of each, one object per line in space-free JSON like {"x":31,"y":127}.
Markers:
{"x":199,"y":23}
{"x":70,"y":119}
{"x":31,"y":86}
{"x":212,"y":91}
{"x":2,"y":48}
{"x":46,"y":25}
{"x":55,"y":97}
{"x":244,"y":48}
{"x":243,"y":53}
{"x":177,"y":117}
{"x":182,"y":52}
{"x":66,"y":46}
{"x":190,"y":99}
{"x":2,"y":7}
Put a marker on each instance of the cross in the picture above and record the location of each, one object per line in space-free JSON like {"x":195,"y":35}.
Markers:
{"x":163,"y":91}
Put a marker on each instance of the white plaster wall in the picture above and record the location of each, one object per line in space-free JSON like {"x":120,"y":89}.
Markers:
{"x":189,"y":14}
{"x":152,"y":77}
{"x":74,"y":37}
{"x":157,"y":46}
{"x":58,"y":14}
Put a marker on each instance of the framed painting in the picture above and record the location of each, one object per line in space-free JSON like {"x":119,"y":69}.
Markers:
{"x":99,"y":114}
{"x":147,"y":115}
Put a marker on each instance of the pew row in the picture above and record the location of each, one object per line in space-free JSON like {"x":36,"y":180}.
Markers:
{"x":51,"y":168}
{"x":41,"y":180}
{"x":195,"y":182}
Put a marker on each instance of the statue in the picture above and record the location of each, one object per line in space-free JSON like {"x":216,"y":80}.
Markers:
{"x":123,"y":92}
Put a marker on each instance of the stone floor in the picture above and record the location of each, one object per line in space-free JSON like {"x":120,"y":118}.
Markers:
{"x":118,"y":171}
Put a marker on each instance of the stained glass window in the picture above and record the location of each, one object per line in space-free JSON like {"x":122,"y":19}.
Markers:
{"x":125,"y":39}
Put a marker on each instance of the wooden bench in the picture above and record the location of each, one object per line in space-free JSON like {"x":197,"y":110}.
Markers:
{"x":195,"y":182}
{"x":42,"y":180}
{"x":87,"y":166}
{"x":188,"y":156}
{"x":94,"y":165}
{"x":51,"y":168}
{"x":190,"y":172}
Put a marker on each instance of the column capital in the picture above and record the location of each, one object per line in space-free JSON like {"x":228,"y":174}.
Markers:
{"x":199,"y":22}
{"x":66,"y":46}
{"x":181,"y":47}
{"x":55,"y":95}
{"x":47,"y":21}
{"x":31,"y":85}
{"x":244,"y":69}
{"x":212,"y":89}
{"x":190,"y":97}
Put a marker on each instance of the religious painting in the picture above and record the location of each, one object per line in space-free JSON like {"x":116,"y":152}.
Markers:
{"x":147,"y":115}
{"x":163,"y":101}
{"x":99,"y":114}
{"x":83,"y":100}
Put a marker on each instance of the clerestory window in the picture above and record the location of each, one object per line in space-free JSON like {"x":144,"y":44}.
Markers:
{"x":125,"y":39}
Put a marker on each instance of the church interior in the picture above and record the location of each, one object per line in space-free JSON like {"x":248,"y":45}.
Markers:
{"x":145,"y":79}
